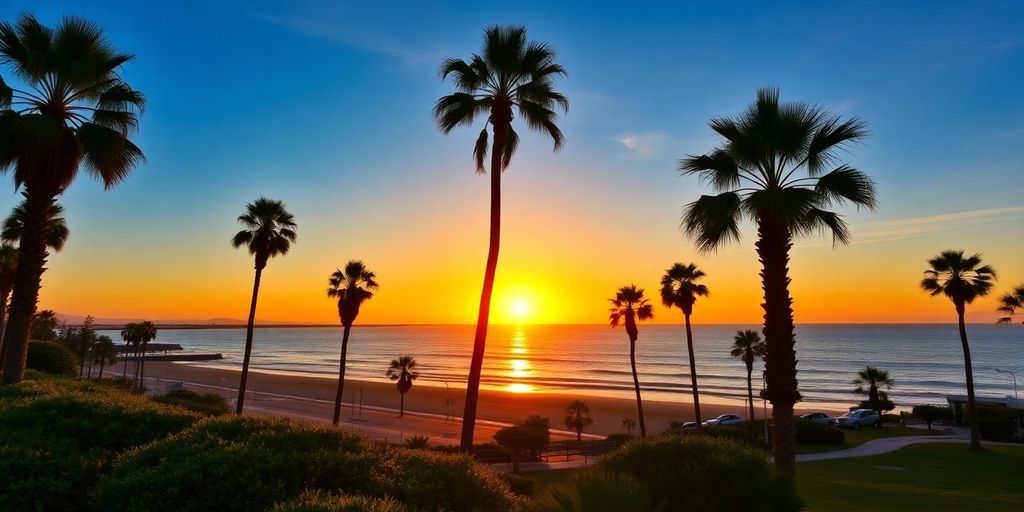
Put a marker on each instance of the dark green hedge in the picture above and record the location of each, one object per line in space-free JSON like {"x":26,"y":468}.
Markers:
{"x":207,"y":404}
{"x":51,"y":357}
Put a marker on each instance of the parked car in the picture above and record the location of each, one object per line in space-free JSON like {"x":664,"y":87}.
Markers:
{"x":819,"y":417}
{"x":860,"y":418}
{"x":689,"y":426}
{"x":724,"y":420}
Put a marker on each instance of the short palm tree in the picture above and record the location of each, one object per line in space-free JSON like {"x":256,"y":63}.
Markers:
{"x":74,"y":110}
{"x":870,"y":382}
{"x":130,"y":335}
{"x":268,"y":231}
{"x":680,"y":289}
{"x":629,"y":306}
{"x":510,"y":73}
{"x":1010,"y":302}
{"x":628,"y":424}
{"x":403,"y":371}
{"x":779,"y":166}
{"x":748,"y":346}
{"x":962,"y":279}
{"x":577,"y":417}
{"x":104,"y":353}
{"x":8,"y":266}
{"x":44,"y":325}
{"x":352,"y":287}
{"x":146,"y":332}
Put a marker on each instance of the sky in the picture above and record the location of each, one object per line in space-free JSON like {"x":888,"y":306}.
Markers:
{"x":327,"y":106}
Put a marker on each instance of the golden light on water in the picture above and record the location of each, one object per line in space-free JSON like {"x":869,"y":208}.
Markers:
{"x":519,"y":367}
{"x":519,"y":388}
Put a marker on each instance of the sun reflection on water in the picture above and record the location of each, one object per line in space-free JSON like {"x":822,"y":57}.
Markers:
{"x":519,"y":367}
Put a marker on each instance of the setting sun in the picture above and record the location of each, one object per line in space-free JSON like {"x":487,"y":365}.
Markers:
{"x":520,"y":309}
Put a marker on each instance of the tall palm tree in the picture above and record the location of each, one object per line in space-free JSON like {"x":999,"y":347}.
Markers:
{"x":73,"y":111}
{"x":268,"y":231}
{"x":130,"y":335}
{"x":146,"y":333}
{"x":352,"y":287}
{"x":1010,"y":302}
{"x":44,"y":325}
{"x":778,"y":166}
{"x":510,"y":73}
{"x":679,"y":288}
{"x":748,"y":346}
{"x":577,"y":416}
{"x":103,"y":352}
{"x":870,"y":382}
{"x":962,"y":279}
{"x":8,"y":266}
{"x":629,"y":306}
{"x":403,"y":371}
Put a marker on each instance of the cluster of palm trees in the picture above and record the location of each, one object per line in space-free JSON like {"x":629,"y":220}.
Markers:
{"x":136,"y":336}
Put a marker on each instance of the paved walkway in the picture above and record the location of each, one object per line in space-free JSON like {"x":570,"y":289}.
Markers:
{"x":882,"y":445}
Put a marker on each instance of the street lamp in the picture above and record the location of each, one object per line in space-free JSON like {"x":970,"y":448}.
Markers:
{"x":1014,"y":375}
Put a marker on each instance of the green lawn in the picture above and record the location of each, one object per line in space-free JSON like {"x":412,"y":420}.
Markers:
{"x":857,"y":437}
{"x":918,"y":477}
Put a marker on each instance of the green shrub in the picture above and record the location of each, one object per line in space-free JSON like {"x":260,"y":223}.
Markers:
{"x":704,"y":473}
{"x":811,"y":433}
{"x":250,"y":463}
{"x":596,"y":491}
{"x":930,"y":414}
{"x":892,"y":418}
{"x":207,"y":404}
{"x":619,"y":439}
{"x":736,"y":433}
{"x":992,"y":412}
{"x":319,"y":501}
{"x":519,"y":484}
{"x":51,"y":357}
{"x":417,"y":442}
{"x":59,"y":435}
{"x":997,"y":430}
{"x":522,"y":442}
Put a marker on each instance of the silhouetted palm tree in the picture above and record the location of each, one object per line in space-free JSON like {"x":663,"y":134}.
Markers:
{"x":351,"y":287}
{"x":771,"y":168}
{"x":76,"y":110}
{"x":403,"y":371}
{"x":44,"y":325}
{"x":577,"y":416}
{"x":629,"y":306}
{"x":103,"y":352}
{"x":130,"y":335}
{"x":874,"y":379}
{"x":8,"y":266}
{"x":1010,"y":302}
{"x":748,"y":346}
{"x":628,"y":424}
{"x":269,"y":230}
{"x":679,"y":288}
{"x":962,"y":279}
{"x":146,"y":333}
{"x":510,"y":73}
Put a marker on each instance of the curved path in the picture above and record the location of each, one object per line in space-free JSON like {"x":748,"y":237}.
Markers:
{"x":883,"y":445}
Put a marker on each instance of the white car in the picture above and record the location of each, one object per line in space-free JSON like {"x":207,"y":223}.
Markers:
{"x":819,"y":417}
{"x":860,"y":418}
{"x":724,"y":420}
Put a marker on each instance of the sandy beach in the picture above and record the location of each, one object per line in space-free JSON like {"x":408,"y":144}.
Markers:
{"x":430,"y":410}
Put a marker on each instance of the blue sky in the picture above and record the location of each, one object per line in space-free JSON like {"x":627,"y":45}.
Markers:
{"x":327,"y":105}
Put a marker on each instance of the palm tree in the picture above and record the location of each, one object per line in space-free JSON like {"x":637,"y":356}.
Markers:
{"x":146,"y":332}
{"x":130,"y":335}
{"x":269,"y":230}
{"x":74,"y":111}
{"x":577,"y":416}
{"x":44,"y":325}
{"x":628,"y":424}
{"x":1010,"y":302}
{"x":874,"y":379}
{"x":962,"y":279}
{"x":351,"y":287}
{"x":509,"y":73}
{"x":771,"y":168}
{"x":748,"y":346}
{"x":628,"y":306}
{"x":403,"y":371}
{"x":103,"y":352}
{"x":679,"y":288}
{"x":8,"y":265}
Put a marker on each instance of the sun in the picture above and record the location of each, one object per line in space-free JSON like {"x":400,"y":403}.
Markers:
{"x":520,"y":309}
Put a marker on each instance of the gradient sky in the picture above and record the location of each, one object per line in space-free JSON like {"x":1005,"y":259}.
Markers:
{"x":327,"y":107}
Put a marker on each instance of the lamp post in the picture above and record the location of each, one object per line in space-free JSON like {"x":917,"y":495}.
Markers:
{"x":1014,"y":375}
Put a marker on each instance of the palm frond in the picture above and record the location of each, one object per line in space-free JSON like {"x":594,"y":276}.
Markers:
{"x":713,"y":220}
{"x":847,"y":184}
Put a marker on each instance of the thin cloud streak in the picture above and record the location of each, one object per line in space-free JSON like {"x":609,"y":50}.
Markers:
{"x":643,"y":146}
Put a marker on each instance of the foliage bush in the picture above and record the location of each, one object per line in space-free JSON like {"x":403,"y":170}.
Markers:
{"x":250,"y":463}
{"x":417,"y":442}
{"x":892,"y":418}
{"x":931,"y":413}
{"x":596,"y":491}
{"x":704,"y":473}
{"x":619,"y":439}
{"x":59,"y":435}
{"x":52,"y":357}
{"x":207,"y":404}
{"x":811,"y":433}
{"x":519,"y":484}
{"x":319,"y":501}
{"x":997,"y":430}
{"x":521,"y":440}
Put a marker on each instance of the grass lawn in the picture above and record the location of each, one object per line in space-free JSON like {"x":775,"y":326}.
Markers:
{"x":918,"y":477}
{"x":858,"y":437}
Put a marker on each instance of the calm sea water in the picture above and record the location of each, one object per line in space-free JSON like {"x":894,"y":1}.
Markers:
{"x":925,"y":361}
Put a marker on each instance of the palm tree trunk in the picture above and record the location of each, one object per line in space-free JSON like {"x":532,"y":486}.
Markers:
{"x":750,"y":398}
{"x":693,"y":371}
{"x":579,"y":436}
{"x":972,"y":411}
{"x":27,"y":279}
{"x":3,"y":314}
{"x":401,"y":405}
{"x":341,"y":375}
{"x":135,"y":373}
{"x":636,"y":386}
{"x":240,"y":403}
{"x":476,"y":364}
{"x":774,"y":242}
{"x":101,"y":371}
{"x":142,"y":368}
{"x":124,"y":373}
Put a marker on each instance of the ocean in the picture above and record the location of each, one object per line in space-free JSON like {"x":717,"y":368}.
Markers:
{"x":925,"y":361}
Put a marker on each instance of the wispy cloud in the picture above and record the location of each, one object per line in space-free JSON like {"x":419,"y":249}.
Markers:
{"x":643,"y":146}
